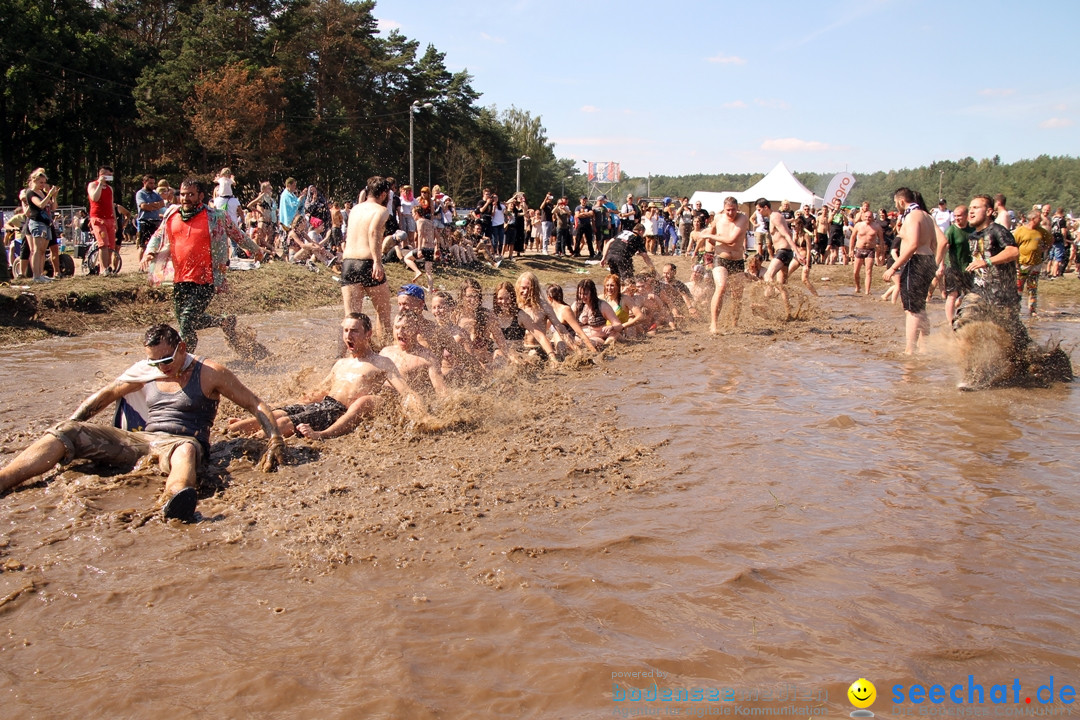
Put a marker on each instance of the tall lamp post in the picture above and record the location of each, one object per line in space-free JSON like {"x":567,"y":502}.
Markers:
{"x":413,"y":109}
{"x":517,"y":183}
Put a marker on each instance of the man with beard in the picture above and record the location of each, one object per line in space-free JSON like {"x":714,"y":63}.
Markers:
{"x":916,"y":264}
{"x":197,"y":240}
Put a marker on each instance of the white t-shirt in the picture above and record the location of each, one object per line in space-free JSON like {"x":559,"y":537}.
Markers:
{"x":498,"y":217}
{"x":943,"y":218}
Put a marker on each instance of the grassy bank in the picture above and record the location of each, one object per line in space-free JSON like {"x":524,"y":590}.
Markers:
{"x":83,"y":304}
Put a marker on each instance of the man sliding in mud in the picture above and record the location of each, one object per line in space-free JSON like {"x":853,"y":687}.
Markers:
{"x":181,"y":393}
{"x":346,"y":396}
{"x":415,"y":362}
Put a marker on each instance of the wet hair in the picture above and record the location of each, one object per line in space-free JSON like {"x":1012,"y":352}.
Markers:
{"x":639,"y":227}
{"x":910,"y":196}
{"x":586,"y":296}
{"x":531,"y":297}
{"x":377,"y":185}
{"x":763,"y":203}
{"x":730,"y":200}
{"x":365,"y":321}
{"x":195,"y":183}
{"x":480,"y":315}
{"x":505,"y":285}
{"x":555,"y":293}
{"x":618,"y":285}
{"x":665,"y":266}
{"x":446,"y":297}
{"x":161,"y":333}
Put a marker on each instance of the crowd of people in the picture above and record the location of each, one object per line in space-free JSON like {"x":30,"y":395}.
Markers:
{"x":979,"y":255}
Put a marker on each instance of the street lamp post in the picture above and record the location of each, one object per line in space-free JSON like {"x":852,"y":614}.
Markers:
{"x":517,"y":184}
{"x":413,"y":109}
{"x":568,"y":177}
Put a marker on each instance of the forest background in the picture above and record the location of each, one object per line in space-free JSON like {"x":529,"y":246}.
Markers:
{"x":311,"y":89}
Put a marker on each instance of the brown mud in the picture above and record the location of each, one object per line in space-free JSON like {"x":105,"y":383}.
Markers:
{"x":788,"y":502}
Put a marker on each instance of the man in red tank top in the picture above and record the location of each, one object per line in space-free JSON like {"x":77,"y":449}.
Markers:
{"x":103,"y":217}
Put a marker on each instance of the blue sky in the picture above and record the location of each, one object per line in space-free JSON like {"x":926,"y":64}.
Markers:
{"x":708,"y":87}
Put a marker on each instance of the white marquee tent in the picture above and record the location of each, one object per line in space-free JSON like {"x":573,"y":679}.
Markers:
{"x":777,"y":186}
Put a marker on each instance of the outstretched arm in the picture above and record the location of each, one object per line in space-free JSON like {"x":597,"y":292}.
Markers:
{"x":103,"y":398}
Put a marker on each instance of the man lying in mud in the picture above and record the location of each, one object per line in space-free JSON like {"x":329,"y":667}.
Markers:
{"x":181,"y":393}
{"x":346,"y":396}
{"x":415,"y":362}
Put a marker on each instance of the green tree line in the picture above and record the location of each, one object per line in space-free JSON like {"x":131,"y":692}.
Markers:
{"x":270,"y":88}
{"x":1054,"y":180}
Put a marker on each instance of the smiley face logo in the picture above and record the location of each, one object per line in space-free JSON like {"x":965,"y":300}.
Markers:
{"x":862,"y":693}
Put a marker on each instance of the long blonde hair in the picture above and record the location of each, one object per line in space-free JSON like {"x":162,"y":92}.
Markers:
{"x":531,"y":296}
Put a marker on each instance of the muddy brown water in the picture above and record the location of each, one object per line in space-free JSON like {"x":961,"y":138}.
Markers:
{"x":795,"y":506}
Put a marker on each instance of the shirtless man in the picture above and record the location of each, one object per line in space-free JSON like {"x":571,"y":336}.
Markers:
{"x":784,"y":251}
{"x":345,"y":396}
{"x":916,"y":264}
{"x":865,"y":237}
{"x":727,"y":233}
{"x":438,"y":340}
{"x":362,"y":273}
{"x":414,"y":361}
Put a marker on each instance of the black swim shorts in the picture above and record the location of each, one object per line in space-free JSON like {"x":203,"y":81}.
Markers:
{"x":358,"y":272}
{"x":915,"y":279}
{"x":732,"y":266}
{"x":957,"y":281}
{"x":785,"y":256}
{"x":319,"y":416}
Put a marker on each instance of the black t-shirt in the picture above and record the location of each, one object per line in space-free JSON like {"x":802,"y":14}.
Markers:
{"x":584,"y":224}
{"x":622,"y":251}
{"x":996,"y":283}
{"x":1057,"y":230}
{"x":545,"y":211}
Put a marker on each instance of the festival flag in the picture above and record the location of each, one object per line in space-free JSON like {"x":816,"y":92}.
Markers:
{"x":604,"y":172}
{"x":839,"y":187}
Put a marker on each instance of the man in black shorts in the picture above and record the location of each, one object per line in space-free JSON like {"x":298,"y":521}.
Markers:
{"x":916,"y":264}
{"x":362,"y":272}
{"x":345,"y":396}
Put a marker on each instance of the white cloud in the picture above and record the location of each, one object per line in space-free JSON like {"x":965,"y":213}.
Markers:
{"x":771,"y":104}
{"x":492,"y":38}
{"x":794,"y":145}
{"x":387,"y":25}
{"x":997,"y":92}
{"x":589,"y":109}
{"x":727,"y":59}
{"x":735,"y":105}
{"x":1056,"y":122}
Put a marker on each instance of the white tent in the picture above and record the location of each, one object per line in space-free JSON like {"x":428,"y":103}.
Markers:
{"x":777,"y":186}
